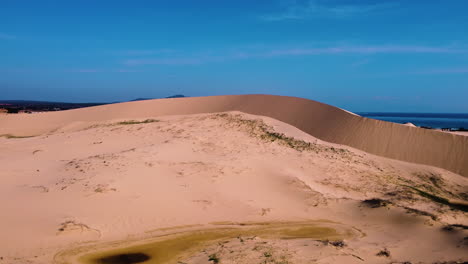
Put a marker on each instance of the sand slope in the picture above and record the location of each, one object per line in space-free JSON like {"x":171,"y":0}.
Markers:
{"x":323,"y":121}
{"x":83,"y":187}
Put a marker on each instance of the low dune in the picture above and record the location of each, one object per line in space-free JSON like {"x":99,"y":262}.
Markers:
{"x":409,"y":124}
{"x":331,"y":124}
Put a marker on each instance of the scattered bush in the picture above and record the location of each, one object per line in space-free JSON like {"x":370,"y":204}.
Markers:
{"x":454,"y":227}
{"x":213,"y":258}
{"x":375,"y":203}
{"x":338,"y":243}
{"x":384,"y":253}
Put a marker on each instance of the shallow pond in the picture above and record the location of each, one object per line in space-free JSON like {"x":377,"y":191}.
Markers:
{"x":172,"y":247}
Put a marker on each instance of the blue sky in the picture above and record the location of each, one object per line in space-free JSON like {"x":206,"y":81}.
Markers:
{"x":358,"y":55}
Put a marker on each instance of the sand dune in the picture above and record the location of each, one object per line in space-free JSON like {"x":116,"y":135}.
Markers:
{"x":409,"y":124}
{"x":323,"y":121}
{"x":219,"y":187}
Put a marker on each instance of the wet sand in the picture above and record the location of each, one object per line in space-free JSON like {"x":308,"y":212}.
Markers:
{"x":175,"y":246}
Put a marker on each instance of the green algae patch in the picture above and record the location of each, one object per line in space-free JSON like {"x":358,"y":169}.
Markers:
{"x":165,"y":251}
{"x":171,"y":248}
{"x":307,"y":232}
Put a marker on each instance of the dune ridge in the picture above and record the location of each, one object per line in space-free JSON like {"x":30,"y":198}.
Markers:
{"x":328,"y":123}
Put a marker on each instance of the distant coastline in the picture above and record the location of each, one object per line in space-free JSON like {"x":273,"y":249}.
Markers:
{"x":452,"y":121}
{"x":444,"y":121}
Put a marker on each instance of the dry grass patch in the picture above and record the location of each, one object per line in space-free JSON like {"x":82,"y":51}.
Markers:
{"x":258,"y":128}
{"x":442,"y":200}
{"x":14,"y":136}
{"x":136,"y":122}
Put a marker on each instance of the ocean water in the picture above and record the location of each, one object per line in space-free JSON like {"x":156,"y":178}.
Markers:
{"x":454,"y":121}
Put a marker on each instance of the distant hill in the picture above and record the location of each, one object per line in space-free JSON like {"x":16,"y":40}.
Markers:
{"x":28,"y":102}
{"x":172,"y":96}
{"x":16,"y":106}
{"x":176,"y":96}
{"x":141,"y":99}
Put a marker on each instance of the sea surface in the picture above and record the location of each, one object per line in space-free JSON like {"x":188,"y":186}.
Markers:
{"x":433,"y":120}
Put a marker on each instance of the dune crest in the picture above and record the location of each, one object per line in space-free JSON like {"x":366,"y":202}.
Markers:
{"x":322,"y":121}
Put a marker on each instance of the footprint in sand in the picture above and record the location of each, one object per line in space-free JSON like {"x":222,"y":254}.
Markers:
{"x":205,"y":203}
{"x":265,"y":211}
{"x":41,"y":188}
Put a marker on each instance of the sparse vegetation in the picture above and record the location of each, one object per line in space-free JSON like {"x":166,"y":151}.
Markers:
{"x":13,"y":136}
{"x":442,"y":200}
{"x":463,"y":196}
{"x":436,"y":180}
{"x":299,"y":145}
{"x":432,"y":178}
{"x":214,"y":258}
{"x":123,"y":123}
{"x":259,"y":129}
{"x":454,"y":227}
{"x":435,"y":184}
{"x":375,"y":203}
{"x":384,"y":253}
{"x":135,"y":122}
{"x":338,"y":243}
{"x":420,"y":212}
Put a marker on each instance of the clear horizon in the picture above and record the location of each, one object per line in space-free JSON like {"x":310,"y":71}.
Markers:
{"x":363,"y":56}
